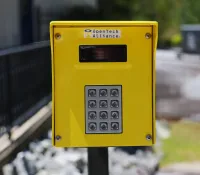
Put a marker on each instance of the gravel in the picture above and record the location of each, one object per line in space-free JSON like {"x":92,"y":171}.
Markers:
{"x":41,"y":158}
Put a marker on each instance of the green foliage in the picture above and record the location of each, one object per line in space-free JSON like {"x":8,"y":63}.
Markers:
{"x":169,"y":13}
{"x":183,"y":145}
{"x":176,"y":39}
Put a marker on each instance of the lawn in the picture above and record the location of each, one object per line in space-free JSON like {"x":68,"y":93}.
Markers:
{"x":184,"y":143}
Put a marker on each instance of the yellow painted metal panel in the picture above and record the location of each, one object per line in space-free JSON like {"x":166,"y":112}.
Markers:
{"x":137,"y":77}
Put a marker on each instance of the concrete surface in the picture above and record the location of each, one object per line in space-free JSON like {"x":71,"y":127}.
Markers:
{"x":177,"y":84}
{"x":186,"y":168}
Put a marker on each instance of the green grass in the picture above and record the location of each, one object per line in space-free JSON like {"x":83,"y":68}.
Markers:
{"x":183,"y":145}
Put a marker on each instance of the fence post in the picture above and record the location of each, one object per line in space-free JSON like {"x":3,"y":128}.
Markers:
{"x":9,"y":119}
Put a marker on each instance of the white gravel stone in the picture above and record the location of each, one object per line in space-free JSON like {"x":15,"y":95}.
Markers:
{"x":8,"y":169}
{"x":44,"y":159}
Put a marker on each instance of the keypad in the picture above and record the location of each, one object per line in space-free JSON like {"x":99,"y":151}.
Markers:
{"x":103,"y":113}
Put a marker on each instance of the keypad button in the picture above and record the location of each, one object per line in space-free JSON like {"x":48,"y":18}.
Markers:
{"x":92,"y":126}
{"x":103,"y":93}
{"x":92,"y":115}
{"x":92,"y":104}
{"x":103,"y":115}
{"x":114,"y":114}
{"x":103,"y":126}
{"x":114,"y":103}
{"x":103,"y":104}
{"x":92,"y":92}
{"x":114,"y":93}
{"x":114,"y":125}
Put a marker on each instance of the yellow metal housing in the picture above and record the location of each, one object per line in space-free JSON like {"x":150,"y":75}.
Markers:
{"x":137,"y":77}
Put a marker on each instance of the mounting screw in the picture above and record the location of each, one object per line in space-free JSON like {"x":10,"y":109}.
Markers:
{"x":148,"y":137}
{"x":148,"y":35}
{"x":58,"y":137}
{"x":57,"y":36}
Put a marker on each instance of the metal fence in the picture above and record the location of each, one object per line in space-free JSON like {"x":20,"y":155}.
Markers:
{"x":25,"y":83}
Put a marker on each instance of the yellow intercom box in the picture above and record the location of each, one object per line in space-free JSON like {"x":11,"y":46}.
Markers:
{"x":103,"y":77}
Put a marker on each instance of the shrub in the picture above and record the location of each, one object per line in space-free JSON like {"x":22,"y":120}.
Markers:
{"x":176,"y":40}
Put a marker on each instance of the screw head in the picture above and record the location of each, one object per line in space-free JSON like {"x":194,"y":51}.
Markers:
{"x":58,"y":137}
{"x":148,"y":35}
{"x":148,"y":137}
{"x":57,"y":36}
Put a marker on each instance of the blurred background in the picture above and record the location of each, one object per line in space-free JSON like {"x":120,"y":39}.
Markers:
{"x":25,"y":87}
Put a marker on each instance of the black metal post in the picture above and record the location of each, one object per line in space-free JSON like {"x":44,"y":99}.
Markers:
{"x":98,"y":161}
{"x":26,"y":25}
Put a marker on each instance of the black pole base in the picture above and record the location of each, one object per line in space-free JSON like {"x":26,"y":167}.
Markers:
{"x":98,"y":161}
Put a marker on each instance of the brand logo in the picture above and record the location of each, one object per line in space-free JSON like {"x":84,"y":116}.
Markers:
{"x":102,"y":33}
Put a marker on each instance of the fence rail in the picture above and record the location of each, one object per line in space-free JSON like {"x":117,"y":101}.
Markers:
{"x":25,"y":80}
